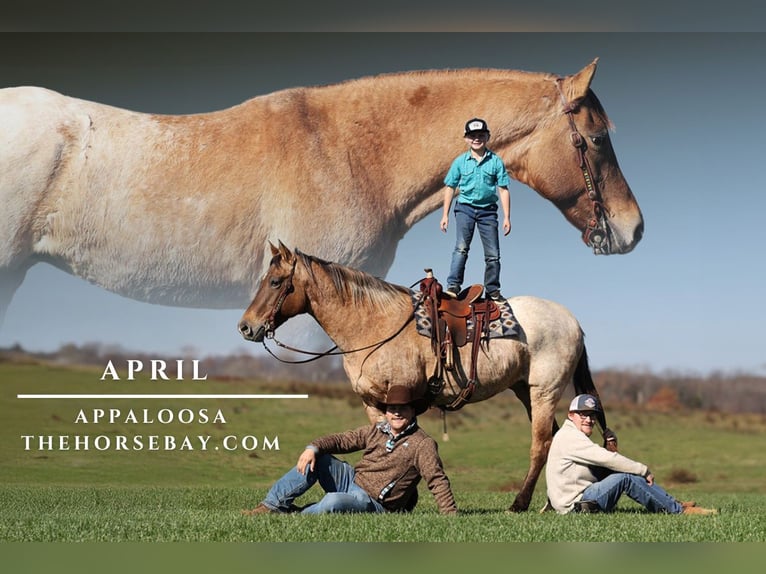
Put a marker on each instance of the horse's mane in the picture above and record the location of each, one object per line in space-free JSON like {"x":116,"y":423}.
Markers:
{"x":353,"y":285}
{"x":417,"y":75}
{"x":487,"y":74}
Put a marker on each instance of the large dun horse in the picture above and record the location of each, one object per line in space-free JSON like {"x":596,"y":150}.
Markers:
{"x":370,"y":321}
{"x":175,"y":209}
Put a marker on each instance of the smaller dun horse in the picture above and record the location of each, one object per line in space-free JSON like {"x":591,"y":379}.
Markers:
{"x":370,"y":321}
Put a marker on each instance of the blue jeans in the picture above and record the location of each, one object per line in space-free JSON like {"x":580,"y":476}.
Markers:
{"x":468,"y":218}
{"x":607,"y":492}
{"x":335,"y":477}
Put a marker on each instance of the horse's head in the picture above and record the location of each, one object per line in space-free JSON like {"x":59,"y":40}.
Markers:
{"x":279,"y":297}
{"x":571,"y":162}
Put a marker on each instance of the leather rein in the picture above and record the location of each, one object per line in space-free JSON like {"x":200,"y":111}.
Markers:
{"x":269,"y":330}
{"x":596,"y":234}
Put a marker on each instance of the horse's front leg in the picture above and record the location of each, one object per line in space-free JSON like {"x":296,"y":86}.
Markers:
{"x":368,"y":389}
{"x":374,"y":414}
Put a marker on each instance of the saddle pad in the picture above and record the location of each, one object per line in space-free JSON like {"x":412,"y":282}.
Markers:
{"x":505,"y":327}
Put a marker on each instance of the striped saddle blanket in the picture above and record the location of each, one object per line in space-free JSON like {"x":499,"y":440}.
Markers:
{"x":506,"y":326}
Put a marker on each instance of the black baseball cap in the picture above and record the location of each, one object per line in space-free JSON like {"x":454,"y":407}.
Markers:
{"x":476,"y":125}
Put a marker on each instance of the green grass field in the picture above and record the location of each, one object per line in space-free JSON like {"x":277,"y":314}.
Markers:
{"x":196,"y":495}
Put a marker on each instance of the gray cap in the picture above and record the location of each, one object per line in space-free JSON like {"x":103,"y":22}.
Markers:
{"x":584,"y":403}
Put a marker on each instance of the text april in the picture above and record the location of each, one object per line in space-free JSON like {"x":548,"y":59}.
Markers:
{"x":157,"y":369}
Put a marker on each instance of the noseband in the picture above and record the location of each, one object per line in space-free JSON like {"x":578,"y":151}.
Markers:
{"x":287,"y":288}
{"x":596,"y":234}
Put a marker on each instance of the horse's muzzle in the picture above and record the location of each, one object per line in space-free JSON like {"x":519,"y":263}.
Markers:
{"x":251,"y":334}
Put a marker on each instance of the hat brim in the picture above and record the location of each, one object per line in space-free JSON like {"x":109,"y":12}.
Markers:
{"x":420,"y":406}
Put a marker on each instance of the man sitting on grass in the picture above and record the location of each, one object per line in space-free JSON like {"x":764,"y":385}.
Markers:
{"x":584,"y":477}
{"x":397,"y":454}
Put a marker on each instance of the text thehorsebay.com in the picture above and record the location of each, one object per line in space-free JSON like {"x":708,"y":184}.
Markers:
{"x":123,"y":429}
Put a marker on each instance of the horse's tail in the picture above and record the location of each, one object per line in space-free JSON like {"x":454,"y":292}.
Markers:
{"x":583,"y":384}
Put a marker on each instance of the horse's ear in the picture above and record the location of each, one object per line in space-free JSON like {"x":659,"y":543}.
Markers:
{"x":287,"y":256}
{"x":577,"y":86}
{"x":274,"y":250}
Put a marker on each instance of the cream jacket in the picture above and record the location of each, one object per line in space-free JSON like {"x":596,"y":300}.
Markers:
{"x":568,"y":470}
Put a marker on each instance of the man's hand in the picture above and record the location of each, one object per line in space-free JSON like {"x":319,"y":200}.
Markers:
{"x":610,"y":440}
{"x":307,"y":458}
{"x":444,"y":223}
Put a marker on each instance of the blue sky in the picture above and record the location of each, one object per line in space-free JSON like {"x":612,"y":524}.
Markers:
{"x":690,"y":123}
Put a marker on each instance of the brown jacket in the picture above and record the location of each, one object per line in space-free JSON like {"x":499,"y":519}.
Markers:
{"x":414,"y":457}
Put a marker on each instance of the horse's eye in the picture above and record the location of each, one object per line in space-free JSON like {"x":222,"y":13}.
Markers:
{"x":597,"y":140}
{"x":275,"y":282}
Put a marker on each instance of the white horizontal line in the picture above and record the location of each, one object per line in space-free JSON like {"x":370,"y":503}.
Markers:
{"x":154,"y":396}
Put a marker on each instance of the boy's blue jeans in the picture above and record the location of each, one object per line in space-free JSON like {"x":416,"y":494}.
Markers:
{"x":335,"y":477}
{"x":607,"y":492}
{"x":468,"y":218}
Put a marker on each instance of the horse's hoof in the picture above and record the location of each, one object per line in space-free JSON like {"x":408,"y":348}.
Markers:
{"x":516,"y":508}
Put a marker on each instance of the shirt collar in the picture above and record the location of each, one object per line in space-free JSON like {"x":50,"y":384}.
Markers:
{"x":486,"y":156}
{"x":385,"y":428}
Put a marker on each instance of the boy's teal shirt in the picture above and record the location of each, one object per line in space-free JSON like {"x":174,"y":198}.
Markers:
{"x":477,"y":180}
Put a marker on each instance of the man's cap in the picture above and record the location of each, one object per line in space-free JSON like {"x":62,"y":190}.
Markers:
{"x":401,"y":395}
{"x":476,"y":125}
{"x":584,"y":403}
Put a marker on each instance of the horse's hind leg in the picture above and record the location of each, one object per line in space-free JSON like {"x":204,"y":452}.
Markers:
{"x":542,"y":416}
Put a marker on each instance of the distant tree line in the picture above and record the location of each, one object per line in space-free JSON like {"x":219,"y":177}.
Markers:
{"x":731,"y":393}
{"x":668,"y":391}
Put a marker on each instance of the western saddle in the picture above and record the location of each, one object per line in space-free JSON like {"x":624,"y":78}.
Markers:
{"x":454,"y":323}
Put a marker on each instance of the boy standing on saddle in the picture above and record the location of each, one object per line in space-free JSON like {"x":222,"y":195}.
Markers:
{"x":480,"y":176}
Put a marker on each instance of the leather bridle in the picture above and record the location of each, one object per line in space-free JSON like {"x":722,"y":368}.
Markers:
{"x":287,"y":288}
{"x":269,"y":329}
{"x":596,"y":233}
